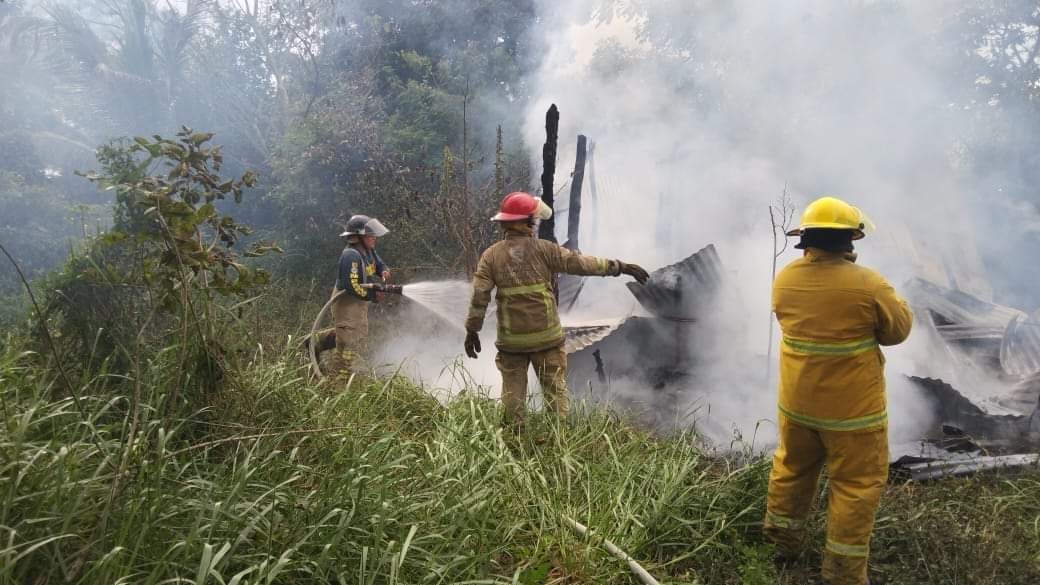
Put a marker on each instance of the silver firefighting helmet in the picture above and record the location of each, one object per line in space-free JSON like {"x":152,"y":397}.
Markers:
{"x":363,"y":225}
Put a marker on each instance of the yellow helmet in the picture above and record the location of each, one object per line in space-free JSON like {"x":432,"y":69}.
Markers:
{"x":833,"y":213}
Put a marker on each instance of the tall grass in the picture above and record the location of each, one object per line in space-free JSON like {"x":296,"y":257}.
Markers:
{"x":277,"y":480}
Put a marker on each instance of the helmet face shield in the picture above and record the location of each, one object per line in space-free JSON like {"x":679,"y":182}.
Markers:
{"x":543,"y":212}
{"x":867,"y":226}
{"x":363,"y":225}
{"x":375,"y":228}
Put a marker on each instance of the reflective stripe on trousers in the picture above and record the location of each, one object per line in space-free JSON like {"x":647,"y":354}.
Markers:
{"x":857,"y":463}
{"x":832,"y":424}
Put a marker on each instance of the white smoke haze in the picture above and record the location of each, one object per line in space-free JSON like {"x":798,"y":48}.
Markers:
{"x":702,"y":113}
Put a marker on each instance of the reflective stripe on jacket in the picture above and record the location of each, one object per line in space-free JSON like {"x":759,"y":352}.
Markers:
{"x":521,"y":268}
{"x":834,"y":316}
{"x":357,"y":267}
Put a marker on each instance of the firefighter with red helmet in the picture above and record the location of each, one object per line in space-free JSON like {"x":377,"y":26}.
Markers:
{"x":520,"y":269}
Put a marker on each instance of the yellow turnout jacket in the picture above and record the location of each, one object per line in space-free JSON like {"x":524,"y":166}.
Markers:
{"x":521,"y":268}
{"x":834,"y":315}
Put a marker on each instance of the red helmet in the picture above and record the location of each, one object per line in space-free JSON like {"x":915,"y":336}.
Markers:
{"x":519,"y":205}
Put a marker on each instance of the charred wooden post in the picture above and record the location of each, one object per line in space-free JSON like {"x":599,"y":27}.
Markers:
{"x":547,"y":230}
{"x":601,"y":372}
{"x":593,"y":194}
{"x":574,"y":211}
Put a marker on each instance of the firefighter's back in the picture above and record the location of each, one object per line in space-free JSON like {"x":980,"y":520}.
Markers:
{"x":831,"y":365}
{"x":527,"y":316}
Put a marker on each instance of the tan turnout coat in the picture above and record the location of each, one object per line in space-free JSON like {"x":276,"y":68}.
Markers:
{"x":520,"y":269}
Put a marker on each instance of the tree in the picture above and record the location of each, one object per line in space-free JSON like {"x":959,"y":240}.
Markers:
{"x":173,"y":260}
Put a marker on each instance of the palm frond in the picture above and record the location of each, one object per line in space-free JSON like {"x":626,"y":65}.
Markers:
{"x":178,"y":32}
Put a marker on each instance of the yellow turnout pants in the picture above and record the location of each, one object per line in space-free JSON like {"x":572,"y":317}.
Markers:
{"x":350,"y":316}
{"x":857,"y":464}
{"x":550,"y":366}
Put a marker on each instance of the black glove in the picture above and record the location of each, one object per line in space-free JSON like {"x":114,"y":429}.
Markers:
{"x":635,"y":271}
{"x":472,"y":344}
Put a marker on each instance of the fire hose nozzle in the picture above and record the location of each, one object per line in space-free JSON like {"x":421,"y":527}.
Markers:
{"x":394,"y":289}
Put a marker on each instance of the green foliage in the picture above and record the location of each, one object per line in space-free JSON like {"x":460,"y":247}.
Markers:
{"x":121,"y":167}
{"x":176,"y":214}
{"x":159,"y":281}
{"x":757,"y":567}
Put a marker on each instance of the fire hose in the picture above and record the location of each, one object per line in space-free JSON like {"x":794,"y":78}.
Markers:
{"x":637,"y":569}
{"x":395,"y":289}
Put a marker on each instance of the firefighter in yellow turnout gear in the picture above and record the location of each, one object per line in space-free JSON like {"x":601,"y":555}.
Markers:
{"x":521,"y":268}
{"x":834,"y":316}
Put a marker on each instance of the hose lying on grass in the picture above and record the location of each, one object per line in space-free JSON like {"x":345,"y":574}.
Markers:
{"x":636,"y":568}
{"x":313,"y":353}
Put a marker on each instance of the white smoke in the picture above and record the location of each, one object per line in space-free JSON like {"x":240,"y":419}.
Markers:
{"x":703,"y":112}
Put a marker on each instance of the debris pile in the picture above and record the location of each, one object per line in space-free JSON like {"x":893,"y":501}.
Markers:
{"x":652,"y":350}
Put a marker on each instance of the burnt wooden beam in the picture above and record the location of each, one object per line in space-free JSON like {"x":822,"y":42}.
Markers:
{"x":574,"y":211}
{"x":593,"y":194}
{"x":547,"y":229}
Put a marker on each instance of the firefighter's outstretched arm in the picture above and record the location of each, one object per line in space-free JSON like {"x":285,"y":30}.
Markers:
{"x":894,"y":316}
{"x":570,"y":262}
{"x":483,"y":284}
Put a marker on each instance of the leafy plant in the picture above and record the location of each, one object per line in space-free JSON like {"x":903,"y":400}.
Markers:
{"x":177,"y":212}
{"x":159,"y":277}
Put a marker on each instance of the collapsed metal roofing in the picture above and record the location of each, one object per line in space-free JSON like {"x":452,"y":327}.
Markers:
{"x":1020,"y":346}
{"x":1002,"y":345}
{"x":945,"y":464}
{"x":682,"y":290}
{"x":975,"y":331}
{"x":1000,"y":341}
{"x":582,"y":335}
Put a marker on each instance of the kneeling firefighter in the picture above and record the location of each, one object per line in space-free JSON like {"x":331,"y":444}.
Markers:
{"x":834,"y":316}
{"x":359,"y":265}
{"x":521,"y":268}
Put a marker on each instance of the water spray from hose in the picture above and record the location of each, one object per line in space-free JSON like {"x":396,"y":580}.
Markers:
{"x":447,"y":299}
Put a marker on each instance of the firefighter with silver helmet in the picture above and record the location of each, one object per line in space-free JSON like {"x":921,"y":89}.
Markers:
{"x":520,"y":269}
{"x":359,"y":265}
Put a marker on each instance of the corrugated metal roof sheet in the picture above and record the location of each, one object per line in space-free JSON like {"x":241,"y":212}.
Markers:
{"x":963,"y":464}
{"x":582,"y":335}
{"x":1020,"y":346}
{"x":955,"y":409}
{"x":949,"y":307}
{"x":679,"y":291}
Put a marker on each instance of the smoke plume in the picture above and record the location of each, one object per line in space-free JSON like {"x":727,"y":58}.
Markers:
{"x":704,"y":113}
